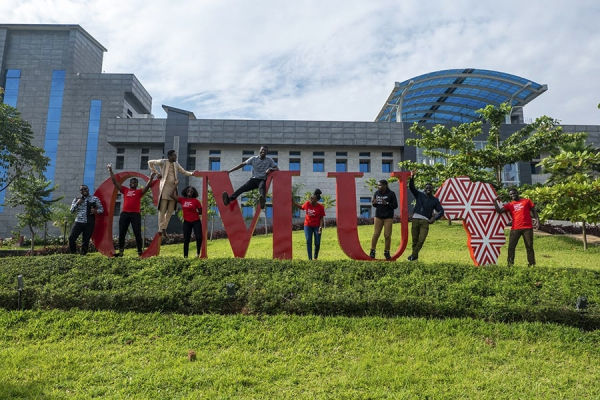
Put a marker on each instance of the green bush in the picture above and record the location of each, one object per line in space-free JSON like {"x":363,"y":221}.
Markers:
{"x":344,"y":287}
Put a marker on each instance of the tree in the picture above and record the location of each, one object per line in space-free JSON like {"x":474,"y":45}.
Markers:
{"x":371,"y":183}
{"x":252,"y":200}
{"x":62,"y":218}
{"x":146,"y":208}
{"x":456,"y":155}
{"x":572,"y":192}
{"x":32,"y":194}
{"x":327,"y":200}
{"x":18,"y":157}
{"x":211,"y":211}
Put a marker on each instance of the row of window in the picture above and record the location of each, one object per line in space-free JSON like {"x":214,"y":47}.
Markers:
{"x":214,"y":161}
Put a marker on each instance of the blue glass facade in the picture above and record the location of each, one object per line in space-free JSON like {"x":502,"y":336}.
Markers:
{"x":91,"y":152}
{"x":455,"y":95}
{"x":57,"y":89}
{"x":11,"y":94}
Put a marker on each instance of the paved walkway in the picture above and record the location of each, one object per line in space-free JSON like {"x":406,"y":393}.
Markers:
{"x":591,"y":239}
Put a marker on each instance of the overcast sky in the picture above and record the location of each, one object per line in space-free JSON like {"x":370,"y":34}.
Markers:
{"x":332,"y":60}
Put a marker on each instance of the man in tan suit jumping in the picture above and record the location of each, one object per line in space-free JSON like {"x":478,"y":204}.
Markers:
{"x":168,"y":182}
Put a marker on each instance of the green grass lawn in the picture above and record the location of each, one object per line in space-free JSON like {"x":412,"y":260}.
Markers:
{"x":87,"y":354}
{"x":444,"y":244}
{"x":80,"y":354}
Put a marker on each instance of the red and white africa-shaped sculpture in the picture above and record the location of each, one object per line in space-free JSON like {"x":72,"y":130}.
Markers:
{"x":473,"y":202}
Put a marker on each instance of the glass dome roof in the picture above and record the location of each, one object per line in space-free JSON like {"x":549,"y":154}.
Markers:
{"x":454,"y":95}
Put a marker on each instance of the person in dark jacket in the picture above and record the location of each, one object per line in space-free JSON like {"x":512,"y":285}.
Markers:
{"x":385,"y":202}
{"x":426,"y":204}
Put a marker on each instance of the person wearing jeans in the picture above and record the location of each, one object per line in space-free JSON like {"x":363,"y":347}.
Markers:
{"x":86,"y":207}
{"x":425,"y":204}
{"x":521,"y":211}
{"x":314,"y":222}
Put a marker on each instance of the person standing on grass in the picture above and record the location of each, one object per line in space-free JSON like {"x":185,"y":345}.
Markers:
{"x":261,"y":167}
{"x":426,"y":204}
{"x":86,"y":207}
{"x":131,"y":211}
{"x":192,"y":210}
{"x":521,"y":211}
{"x":168,"y":182}
{"x":314,"y":222}
{"x":385,"y":202}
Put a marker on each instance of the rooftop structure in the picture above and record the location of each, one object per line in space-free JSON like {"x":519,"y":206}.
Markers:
{"x":454,"y":95}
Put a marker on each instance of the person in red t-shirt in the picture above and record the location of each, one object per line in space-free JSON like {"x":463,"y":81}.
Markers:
{"x":521,"y":211}
{"x":192,"y":210}
{"x":314,"y":222}
{"x":130,"y":212}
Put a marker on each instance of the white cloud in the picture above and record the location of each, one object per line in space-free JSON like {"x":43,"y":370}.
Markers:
{"x":332,"y":60}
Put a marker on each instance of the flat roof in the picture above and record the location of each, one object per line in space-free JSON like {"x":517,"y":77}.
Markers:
{"x":52,"y":27}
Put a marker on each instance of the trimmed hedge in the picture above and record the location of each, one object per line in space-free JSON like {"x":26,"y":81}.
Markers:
{"x":345,"y":287}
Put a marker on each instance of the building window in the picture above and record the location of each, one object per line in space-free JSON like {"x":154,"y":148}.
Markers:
{"x":144,"y":163}
{"x":295,"y":154}
{"x":57,"y":89}
{"x":269,"y":210}
{"x":386,"y":166}
{"x":191,"y":160}
{"x":387,"y":154}
{"x":246,"y":167}
{"x":129,"y":113}
{"x":11,"y":91}
{"x":144,"y":159}
{"x":364,"y":166}
{"x":318,"y":165}
{"x":117,"y":209}
{"x":212,"y":152}
{"x":247,"y":210}
{"x":294,"y":164}
{"x":318,"y":154}
{"x":364,"y":154}
{"x":510,"y":175}
{"x":120,"y":160}
{"x":341,"y":165}
{"x":214,"y":164}
{"x":365,"y":207}
{"x":341,"y":154}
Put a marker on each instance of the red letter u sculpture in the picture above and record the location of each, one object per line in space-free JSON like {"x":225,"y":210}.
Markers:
{"x":345,"y":194}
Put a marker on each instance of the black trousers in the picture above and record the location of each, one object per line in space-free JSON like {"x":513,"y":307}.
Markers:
{"x":513,"y":239}
{"x":253,"y":183}
{"x":78,"y":228}
{"x":196,"y":226}
{"x":135,"y":219}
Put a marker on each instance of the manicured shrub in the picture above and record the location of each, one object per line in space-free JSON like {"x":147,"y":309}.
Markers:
{"x":344,"y":287}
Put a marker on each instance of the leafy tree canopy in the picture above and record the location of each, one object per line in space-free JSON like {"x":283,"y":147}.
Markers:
{"x":18,"y":156}
{"x":455,"y":153}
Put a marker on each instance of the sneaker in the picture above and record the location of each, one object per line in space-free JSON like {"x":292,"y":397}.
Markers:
{"x":372,"y":254}
{"x":411,"y":258}
{"x":262,"y":202}
{"x":387,"y":256}
{"x":225,"y":198}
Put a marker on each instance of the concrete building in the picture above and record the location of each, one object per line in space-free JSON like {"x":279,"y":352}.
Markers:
{"x":85,"y":119}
